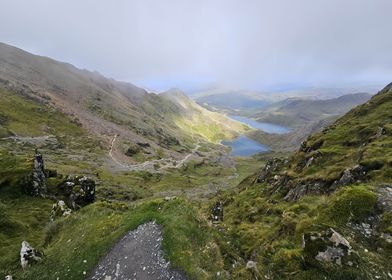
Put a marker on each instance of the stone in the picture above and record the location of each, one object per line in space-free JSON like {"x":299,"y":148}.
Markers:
{"x":350,"y":176}
{"x":252,"y":266}
{"x":8,"y":277}
{"x":328,"y":247}
{"x":36,"y":181}
{"x":29,"y":255}
{"x":217,"y":212}
{"x":78,"y":191}
{"x":169,"y":198}
{"x":60,"y":209}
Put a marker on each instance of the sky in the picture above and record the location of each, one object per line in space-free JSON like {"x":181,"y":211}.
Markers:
{"x":193,"y":44}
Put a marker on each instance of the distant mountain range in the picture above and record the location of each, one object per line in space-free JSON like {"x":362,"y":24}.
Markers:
{"x":295,"y":112}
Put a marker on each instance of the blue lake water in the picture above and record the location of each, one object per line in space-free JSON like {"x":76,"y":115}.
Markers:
{"x":267,"y":127}
{"x":244,"y":146}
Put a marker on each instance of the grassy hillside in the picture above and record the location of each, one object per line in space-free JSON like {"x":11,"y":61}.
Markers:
{"x":279,"y":217}
{"x":296,"y":112}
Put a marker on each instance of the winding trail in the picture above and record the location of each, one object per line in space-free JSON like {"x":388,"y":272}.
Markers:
{"x":151,"y":164}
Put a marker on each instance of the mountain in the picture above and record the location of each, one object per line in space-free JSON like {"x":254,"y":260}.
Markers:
{"x":324,"y":212}
{"x":106,"y":107}
{"x":295,"y":112}
{"x":233,"y":101}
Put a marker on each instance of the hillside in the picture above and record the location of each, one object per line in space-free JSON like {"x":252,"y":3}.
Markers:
{"x":296,"y":112}
{"x":106,"y":107}
{"x":325,"y":212}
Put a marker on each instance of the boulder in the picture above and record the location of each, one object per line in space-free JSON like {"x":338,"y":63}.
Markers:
{"x":60,"y":209}
{"x":29,"y":255}
{"x":350,"y":176}
{"x":78,"y":191}
{"x":36,"y":181}
{"x":328,"y":247}
{"x":8,"y":277}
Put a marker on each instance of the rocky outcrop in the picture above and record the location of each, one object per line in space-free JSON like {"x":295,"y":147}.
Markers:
{"x":349,"y":176}
{"x":36,"y":182}
{"x":271,"y":167}
{"x":59,"y":209}
{"x":328,"y":247}
{"x":78,"y":191}
{"x":29,"y":255}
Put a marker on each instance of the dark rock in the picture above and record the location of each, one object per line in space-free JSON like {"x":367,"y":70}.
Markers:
{"x":217,"y":212}
{"x":328,"y":247}
{"x":144,"y":145}
{"x":307,"y":187}
{"x":132,"y":150}
{"x":78,"y":191}
{"x":29,"y":255}
{"x":350,"y":176}
{"x":36,"y":181}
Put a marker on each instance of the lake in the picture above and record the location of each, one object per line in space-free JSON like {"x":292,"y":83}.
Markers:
{"x":244,"y":146}
{"x":267,"y":127}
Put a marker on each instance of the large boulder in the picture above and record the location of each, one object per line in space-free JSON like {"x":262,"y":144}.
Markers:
{"x":29,"y":255}
{"x":36,"y":182}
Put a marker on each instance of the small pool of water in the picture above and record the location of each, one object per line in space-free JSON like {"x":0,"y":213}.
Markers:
{"x":245,"y":147}
{"x":267,"y":127}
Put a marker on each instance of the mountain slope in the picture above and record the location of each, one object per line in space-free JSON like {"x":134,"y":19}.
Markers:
{"x":296,"y":112}
{"x":104,"y":106}
{"x":323,"y":213}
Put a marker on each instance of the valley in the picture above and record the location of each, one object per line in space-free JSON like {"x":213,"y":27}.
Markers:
{"x":90,"y":165}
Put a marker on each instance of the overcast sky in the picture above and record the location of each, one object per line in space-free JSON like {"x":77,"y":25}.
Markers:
{"x":249,"y":44}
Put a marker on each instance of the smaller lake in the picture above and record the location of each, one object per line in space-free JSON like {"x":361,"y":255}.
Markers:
{"x":266,"y":127}
{"x":245,"y":147}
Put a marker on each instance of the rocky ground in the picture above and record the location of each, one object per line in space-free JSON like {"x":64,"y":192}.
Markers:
{"x":138,"y":255}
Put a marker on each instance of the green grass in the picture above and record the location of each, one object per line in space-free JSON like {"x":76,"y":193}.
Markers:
{"x":348,"y":142}
{"x":89,"y":233}
{"x":269,"y":231}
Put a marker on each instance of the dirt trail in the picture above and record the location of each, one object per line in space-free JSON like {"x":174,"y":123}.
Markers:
{"x":138,"y":255}
{"x":164,"y":163}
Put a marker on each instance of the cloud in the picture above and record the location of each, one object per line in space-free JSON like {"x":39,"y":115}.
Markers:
{"x":190,"y":43}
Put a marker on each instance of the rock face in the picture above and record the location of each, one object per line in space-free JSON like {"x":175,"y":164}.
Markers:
{"x":60,"y":209}
{"x":328,"y":247}
{"x":79,"y":191}
{"x":217,"y":212}
{"x":36,"y":183}
{"x":350,"y":175}
{"x":29,"y":255}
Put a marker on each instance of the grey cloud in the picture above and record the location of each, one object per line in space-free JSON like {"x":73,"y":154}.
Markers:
{"x":190,"y":43}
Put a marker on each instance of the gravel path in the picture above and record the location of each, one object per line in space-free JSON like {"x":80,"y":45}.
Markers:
{"x":138,"y":255}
